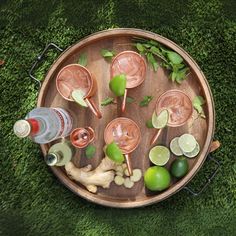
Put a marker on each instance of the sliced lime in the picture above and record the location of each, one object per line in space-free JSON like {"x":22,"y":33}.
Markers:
{"x":78,"y":96}
{"x":194,"y":153}
{"x":187,"y":142}
{"x":159,"y":155}
{"x":161,"y":120}
{"x":174,"y":147}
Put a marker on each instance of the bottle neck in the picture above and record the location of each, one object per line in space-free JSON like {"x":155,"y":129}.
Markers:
{"x":53,"y":158}
{"x":34,"y":125}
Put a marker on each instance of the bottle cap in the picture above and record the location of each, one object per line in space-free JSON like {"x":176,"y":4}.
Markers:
{"x":51,"y":159}
{"x":22,"y":128}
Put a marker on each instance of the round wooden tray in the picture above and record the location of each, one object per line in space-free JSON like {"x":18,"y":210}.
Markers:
{"x":155,"y":84}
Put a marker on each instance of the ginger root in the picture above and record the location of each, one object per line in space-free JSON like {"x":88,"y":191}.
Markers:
{"x":102,"y":176}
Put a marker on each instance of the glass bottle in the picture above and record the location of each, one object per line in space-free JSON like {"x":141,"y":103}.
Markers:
{"x":44,"y":124}
{"x":60,"y":153}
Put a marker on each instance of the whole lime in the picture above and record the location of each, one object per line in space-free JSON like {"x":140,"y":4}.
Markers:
{"x":157,"y":178}
{"x":114,"y":153}
{"x":179,"y":167}
{"x":118,"y":85}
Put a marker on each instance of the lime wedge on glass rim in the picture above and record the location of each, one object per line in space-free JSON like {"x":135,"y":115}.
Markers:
{"x":187,"y":143}
{"x":174,"y":147}
{"x":160,"y":121}
{"x":78,"y":96}
{"x":159,"y":155}
{"x":194,"y":153}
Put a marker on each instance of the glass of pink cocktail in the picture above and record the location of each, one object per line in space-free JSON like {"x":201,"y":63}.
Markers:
{"x":76,"y":77}
{"x":126,"y":134}
{"x":179,"y":107}
{"x":133,"y":66}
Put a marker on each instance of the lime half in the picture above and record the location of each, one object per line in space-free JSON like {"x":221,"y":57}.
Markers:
{"x":174,"y":147}
{"x":187,"y":142}
{"x":78,"y":96}
{"x":159,"y":155}
{"x":161,"y":120}
{"x":194,"y":153}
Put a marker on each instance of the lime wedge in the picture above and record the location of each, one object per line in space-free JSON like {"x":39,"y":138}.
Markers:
{"x":161,"y":120}
{"x":78,"y":96}
{"x":194,"y":153}
{"x":118,"y":85}
{"x":187,"y":142}
{"x":159,"y":155}
{"x":114,"y":153}
{"x":174,"y":147}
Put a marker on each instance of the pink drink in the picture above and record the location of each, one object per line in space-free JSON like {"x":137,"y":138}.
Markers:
{"x":124,"y":132}
{"x":132,"y":65}
{"x":178,"y":104}
{"x":72,"y":78}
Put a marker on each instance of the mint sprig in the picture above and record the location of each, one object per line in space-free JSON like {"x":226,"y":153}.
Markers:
{"x":146,"y":100}
{"x":170,"y":59}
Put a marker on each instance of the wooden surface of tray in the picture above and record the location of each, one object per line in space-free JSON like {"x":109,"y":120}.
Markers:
{"x":155,"y":84}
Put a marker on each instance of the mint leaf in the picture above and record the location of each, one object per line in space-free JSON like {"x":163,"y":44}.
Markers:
{"x":140,"y":47}
{"x":174,"y":57}
{"x":129,"y":99}
{"x":155,"y":50}
{"x":107,"y":54}
{"x":173,"y":76}
{"x":146,"y":100}
{"x":149,"y":124}
{"x":154,"y":43}
{"x":197,"y":102}
{"x":83,"y":60}
{"x":90,"y":151}
{"x":107,"y":101}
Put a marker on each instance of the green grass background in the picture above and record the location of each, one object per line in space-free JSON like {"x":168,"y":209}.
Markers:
{"x":32,"y":200}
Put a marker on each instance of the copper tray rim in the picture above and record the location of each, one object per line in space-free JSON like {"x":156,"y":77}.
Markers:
{"x":74,"y":187}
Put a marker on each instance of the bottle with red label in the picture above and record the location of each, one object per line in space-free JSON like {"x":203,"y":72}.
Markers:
{"x":44,"y":124}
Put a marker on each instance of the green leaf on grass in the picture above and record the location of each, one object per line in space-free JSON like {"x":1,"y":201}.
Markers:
{"x":107,"y":101}
{"x":146,"y":100}
{"x":90,"y":151}
{"x":83,"y":60}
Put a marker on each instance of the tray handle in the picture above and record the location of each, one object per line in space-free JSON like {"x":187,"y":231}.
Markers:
{"x":215,"y":145}
{"x":39,"y":58}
